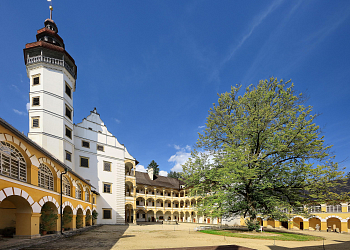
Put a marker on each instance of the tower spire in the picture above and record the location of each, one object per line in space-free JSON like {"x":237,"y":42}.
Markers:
{"x":51,"y":9}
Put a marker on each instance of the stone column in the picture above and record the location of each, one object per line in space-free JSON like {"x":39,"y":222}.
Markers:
{"x":323,"y":225}
{"x":74,"y":222}
{"x":344,"y":226}
{"x":84,"y":217}
{"x":134,"y":216}
{"x":344,"y":207}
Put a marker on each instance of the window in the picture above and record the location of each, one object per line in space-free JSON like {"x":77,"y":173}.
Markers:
{"x":68,"y":112}
{"x":45,"y":177}
{"x":35,"y":122}
{"x":12,"y":163}
{"x":93,"y":200}
{"x":107,"y":166}
{"x":84,"y":162}
{"x":36,"y":80}
{"x":100,"y":148}
{"x":315,"y":209}
{"x":87,"y":195}
{"x":107,"y":188}
{"x":90,"y":128}
{"x":333,"y":208}
{"x":35,"y":101}
{"x":68,"y":132}
{"x":68,"y":156}
{"x":107,"y":213}
{"x":65,"y":186}
{"x":78,"y":192}
{"x":85,"y":144}
{"x":68,"y":90}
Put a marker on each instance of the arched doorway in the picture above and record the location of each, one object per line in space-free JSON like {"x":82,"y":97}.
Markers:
{"x":271,"y":223}
{"x":129,"y":213}
{"x":140,"y":215}
{"x":67,"y":218}
{"x":80,"y":218}
{"x":181,"y":216}
{"x":48,"y":219}
{"x":15,"y":214}
{"x":187,"y":217}
{"x":167,"y":216}
{"x":298,"y":223}
{"x":176,"y":216}
{"x":88,"y":218}
{"x":150,"y":216}
{"x":159,"y":216}
{"x":315,"y":223}
{"x":334,"y":225}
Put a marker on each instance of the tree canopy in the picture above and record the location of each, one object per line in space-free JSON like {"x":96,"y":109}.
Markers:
{"x":174,"y":174}
{"x":155,"y":167}
{"x":261,"y":154}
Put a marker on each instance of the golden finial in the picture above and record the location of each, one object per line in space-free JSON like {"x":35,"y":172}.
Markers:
{"x":51,"y":9}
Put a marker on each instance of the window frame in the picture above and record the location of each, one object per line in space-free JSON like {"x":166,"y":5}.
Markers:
{"x":110,"y":166}
{"x":103,"y":148}
{"x":33,"y":105}
{"x":70,"y":89}
{"x":45,"y":177}
{"x":103,"y":213}
{"x":71,"y":131}
{"x":71,"y":112}
{"x":84,"y":157}
{"x":110,"y":187}
{"x":82,"y":144}
{"x":32,"y":121}
{"x":67,"y":152}
{"x":36,"y":76}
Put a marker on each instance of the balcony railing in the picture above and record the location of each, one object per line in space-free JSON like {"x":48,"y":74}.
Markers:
{"x":54,"y":61}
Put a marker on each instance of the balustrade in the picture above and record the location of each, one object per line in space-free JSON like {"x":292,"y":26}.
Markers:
{"x":50,"y":60}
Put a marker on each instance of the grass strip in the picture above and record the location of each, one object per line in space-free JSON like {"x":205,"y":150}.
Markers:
{"x":277,"y":235}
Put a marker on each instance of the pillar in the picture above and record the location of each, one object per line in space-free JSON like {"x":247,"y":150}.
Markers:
{"x":277,"y":224}
{"x":265,"y":223}
{"x":306,"y":224}
{"x":58,"y":224}
{"x":27,"y":225}
{"x":74,"y":222}
{"x":344,"y":207}
{"x":344,"y":226}
{"x":134,"y":216}
{"x":323,"y":225}
{"x":84,"y":217}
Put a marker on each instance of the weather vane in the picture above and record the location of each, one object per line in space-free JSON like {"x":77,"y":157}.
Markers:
{"x":51,"y":9}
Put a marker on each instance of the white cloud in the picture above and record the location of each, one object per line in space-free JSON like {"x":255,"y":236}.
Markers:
{"x":19,"y":112}
{"x":201,"y":126}
{"x":163,"y":173}
{"x":141,"y":168}
{"x":28,"y":106}
{"x":180,"y":157}
{"x":117,"y":121}
{"x":177,"y":147}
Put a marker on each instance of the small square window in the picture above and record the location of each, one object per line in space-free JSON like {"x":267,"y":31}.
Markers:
{"x":100,"y":148}
{"x":68,"y":90}
{"x":68,"y":156}
{"x":85,"y":144}
{"x":107,"y":188}
{"x":107,"y":213}
{"x":68,"y":112}
{"x":36,"y":80}
{"x":107,"y":166}
{"x":68,"y":132}
{"x":84,"y":162}
{"x":35,"y":101}
{"x":35,"y":122}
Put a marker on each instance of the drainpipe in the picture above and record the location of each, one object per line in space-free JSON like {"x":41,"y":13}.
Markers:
{"x":61,"y":211}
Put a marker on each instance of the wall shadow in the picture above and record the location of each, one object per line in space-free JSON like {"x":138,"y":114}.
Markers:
{"x":340,"y":246}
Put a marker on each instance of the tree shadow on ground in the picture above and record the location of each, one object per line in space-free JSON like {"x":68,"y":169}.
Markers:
{"x":102,"y":238}
{"x":339,"y":246}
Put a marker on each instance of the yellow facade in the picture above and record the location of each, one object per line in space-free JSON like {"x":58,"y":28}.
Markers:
{"x":21,"y":196}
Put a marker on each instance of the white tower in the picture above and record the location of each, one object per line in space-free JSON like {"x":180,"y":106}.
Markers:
{"x":52,"y":73}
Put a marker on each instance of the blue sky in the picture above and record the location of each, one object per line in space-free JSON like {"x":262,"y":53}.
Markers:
{"x":154,"y":68}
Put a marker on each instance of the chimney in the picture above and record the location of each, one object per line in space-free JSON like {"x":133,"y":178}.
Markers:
{"x":150,"y":173}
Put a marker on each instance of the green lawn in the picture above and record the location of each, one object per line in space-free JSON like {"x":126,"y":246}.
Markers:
{"x":264,"y":235}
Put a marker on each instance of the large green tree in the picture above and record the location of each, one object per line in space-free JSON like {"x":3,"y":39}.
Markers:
{"x":261,"y":154}
{"x":155,"y":167}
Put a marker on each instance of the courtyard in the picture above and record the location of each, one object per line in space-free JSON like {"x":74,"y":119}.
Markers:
{"x":155,"y":236}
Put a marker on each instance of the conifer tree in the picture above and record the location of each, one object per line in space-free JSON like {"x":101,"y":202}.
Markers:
{"x":155,"y":167}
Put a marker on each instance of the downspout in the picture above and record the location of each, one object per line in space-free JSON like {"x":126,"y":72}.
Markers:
{"x":61,"y":212}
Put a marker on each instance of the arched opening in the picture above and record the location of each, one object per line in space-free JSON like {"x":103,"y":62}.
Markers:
{"x":167,"y":204}
{"x":80,"y":218}
{"x":176,"y":204}
{"x":175,"y":194}
{"x":193,"y":203}
{"x":175,"y":216}
{"x":315,"y":223}
{"x":48,"y":218}
{"x":187,"y":217}
{"x":271,"y":223}
{"x":182,"y":193}
{"x":140,"y":201}
{"x":15,"y":216}
{"x":187,"y":203}
{"x":129,"y":169}
{"x":182,"y":204}
{"x":182,"y":216}
{"x":45,"y":177}
{"x":129,"y":189}
{"x":140,"y":215}
{"x":260,"y":221}
{"x":67,"y":218}
{"x":129,"y":213}
{"x":88,"y":218}
{"x":298,"y":223}
{"x":159,"y":192}
{"x":349,"y":225}
{"x":159,"y":203}
{"x":193,"y":216}
{"x":167,"y":216}
{"x":150,"y":216}
{"x":140,"y":190}
{"x":159,"y":216}
{"x":333,"y":225}
{"x":12,"y":162}
{"x":150,"y":202}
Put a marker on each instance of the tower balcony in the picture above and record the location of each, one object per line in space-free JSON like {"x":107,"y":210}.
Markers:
{"x":50,"y":60}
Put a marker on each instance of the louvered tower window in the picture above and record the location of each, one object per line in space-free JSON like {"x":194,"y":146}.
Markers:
{"x":12,"y":163}
{"x":65,"y":186}
{"x":78,"y":192}
{"x":45,"y":177}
